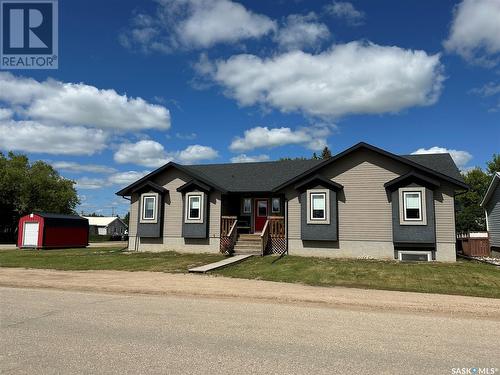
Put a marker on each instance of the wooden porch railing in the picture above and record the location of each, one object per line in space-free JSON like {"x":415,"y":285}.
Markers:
{"x":273,"y":239}
{"x":228,"y":234}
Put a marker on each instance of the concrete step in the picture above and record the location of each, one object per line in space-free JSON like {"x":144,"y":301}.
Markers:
{"x":249,"y":236}
{"x":251,"y":243}
{"x":247,"y":244}
{"x":247,"y":252}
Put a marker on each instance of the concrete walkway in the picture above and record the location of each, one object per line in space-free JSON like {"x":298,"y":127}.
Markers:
{"x":267,"y":291}
{"x":222,"y":263}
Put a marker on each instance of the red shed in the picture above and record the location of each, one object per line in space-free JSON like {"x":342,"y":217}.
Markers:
{"x":45,"y":230}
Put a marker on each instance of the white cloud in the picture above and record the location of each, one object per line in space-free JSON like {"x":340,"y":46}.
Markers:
{"x":146,"y":152}
{"x":244,"y":158}
{"x":5,"y":113}
{"x":152,"y":154}
{"x":117,"y":178}
{"x":31,"y":136}
{"x":126,"y":178}
{"x":59,"y":103}
{"x":475,"y":31}
{"x":187,"y":136}
{"x":86,"y":183}
{"x":70,"y":166}
{"x":347,"y":11}
{"x":461,"y":158}
{"x":489,"y":89}
{"x":352,"y":78}
{"x":191,"y":24}
{"x":300,"y":32}
{"x":195,"y":153}
{"x":313,"y":137}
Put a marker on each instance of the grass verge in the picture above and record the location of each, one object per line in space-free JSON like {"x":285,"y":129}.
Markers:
{"x":104,"y":259}
{"x":463,"y":278}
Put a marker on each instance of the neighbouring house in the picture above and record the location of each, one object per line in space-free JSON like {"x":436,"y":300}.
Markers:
{"x":491,"y":205}
{"x":47,"y":230}
{"x":362,"y":202}
{"x":106,"y":225}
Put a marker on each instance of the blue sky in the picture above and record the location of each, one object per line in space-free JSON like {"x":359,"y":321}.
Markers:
{"x":142,"y":83}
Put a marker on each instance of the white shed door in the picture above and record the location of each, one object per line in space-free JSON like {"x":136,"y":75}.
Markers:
{"x":30,"y":234}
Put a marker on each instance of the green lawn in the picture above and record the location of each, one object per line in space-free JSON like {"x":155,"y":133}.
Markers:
{"x":464,"y":277}
{"x":104,"y":259}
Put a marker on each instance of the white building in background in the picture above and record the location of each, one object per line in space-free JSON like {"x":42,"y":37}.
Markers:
{"x":106,"y":225}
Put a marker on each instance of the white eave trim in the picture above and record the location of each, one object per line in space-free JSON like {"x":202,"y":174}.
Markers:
{"x":491,"y":189}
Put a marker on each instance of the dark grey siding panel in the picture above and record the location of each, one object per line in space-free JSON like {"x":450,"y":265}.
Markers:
{"x":493,"y":211}
{"x":414,"y":234}
{"x":152,"y":230}
{"x":319,"y":232}
{"x":195,"y":230}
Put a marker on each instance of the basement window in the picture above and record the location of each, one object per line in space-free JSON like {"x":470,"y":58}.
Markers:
{"x":415,"y":256}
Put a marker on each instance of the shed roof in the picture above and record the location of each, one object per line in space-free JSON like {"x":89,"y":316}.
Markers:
{"x":49,"y":215}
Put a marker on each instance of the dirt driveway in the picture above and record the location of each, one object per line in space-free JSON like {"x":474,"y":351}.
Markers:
{"x":220,"y":287}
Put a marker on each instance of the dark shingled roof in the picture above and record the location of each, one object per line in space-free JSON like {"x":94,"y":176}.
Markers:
{"x":253,"y":177}
{"x":442,"y":163}
{"x":275,"y":175}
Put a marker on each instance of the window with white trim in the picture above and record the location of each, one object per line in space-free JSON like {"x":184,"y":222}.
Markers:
{"x":149,"y":208}
{"x":412,"y":207}
{"x":318,"y":203}
{"x":412,"y":201}
{"x":318,"y":206}
{"x":194,"y":207}
{"x":276,"y":205}
{"x":247,"y":205}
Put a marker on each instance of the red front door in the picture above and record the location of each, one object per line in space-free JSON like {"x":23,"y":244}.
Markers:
{"x":260,"y":214}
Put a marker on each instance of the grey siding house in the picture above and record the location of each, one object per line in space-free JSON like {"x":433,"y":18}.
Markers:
{"x":364,"y":202}
{"x":106,"y":225}
{"x":491,"y":205}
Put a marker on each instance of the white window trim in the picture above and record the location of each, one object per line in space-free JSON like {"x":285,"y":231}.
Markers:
{"x":154,"y":220}
{"x":243,"y":206}
{"x":199,"y":220}
{"x":402,"y":252}
{"x":423,"y":206}
{"x":279,"y":205}
{"x":310,"y":219}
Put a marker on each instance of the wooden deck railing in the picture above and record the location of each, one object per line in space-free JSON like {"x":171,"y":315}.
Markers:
{"x":228,"y":234}
{"x":273,"y":238}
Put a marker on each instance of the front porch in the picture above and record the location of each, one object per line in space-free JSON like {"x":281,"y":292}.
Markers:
{"x":253,"y":223}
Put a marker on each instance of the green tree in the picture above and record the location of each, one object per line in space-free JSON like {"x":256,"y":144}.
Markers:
{"x":126,"y":218}
{"x":494,"y":164}
{"x":470,"y":215}
{"x":26,"y":187}
{"x":326,"y":153}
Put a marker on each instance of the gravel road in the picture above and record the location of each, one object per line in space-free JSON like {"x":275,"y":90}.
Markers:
{"x":67,"y":332}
